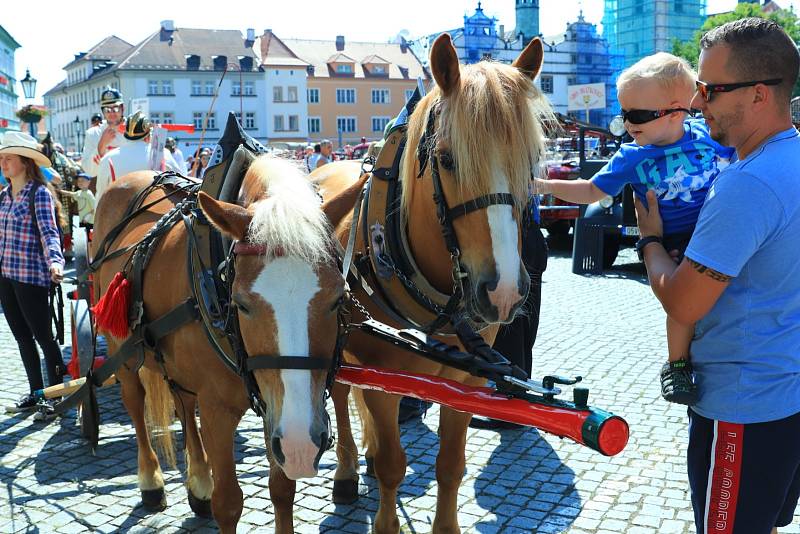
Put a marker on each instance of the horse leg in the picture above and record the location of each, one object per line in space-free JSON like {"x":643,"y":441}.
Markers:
{"x":218,"y":423}
{"x":151,"y":480}
{"x":390,"y":458}
{"x":199,"y":484}
{"x":281,"y":492}
{"x":345,"y":480}
{"x":450,"y":464}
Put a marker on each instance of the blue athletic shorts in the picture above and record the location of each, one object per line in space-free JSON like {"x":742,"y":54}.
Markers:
{"x":745,"y":479}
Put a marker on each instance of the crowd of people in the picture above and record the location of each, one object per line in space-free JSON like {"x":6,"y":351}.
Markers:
{"x":718,"y":204}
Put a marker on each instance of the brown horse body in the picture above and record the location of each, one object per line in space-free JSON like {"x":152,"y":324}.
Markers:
{"x":506,"y":112}
{"x":282,"y":294}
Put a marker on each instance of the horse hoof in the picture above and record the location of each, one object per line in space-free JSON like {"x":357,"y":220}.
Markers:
{"x":345,"y":491}
{"x":371,"y":466}
{"x":200,"y":507}
{"x":154,"y":500}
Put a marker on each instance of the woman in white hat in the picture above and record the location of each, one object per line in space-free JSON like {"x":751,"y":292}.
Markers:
{"x":30,"y":260}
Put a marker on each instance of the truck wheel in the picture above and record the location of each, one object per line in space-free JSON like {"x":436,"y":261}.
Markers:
{"x":610,"y":250}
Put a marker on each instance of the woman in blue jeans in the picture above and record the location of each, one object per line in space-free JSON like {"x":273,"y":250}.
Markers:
{"x":30,"y":260}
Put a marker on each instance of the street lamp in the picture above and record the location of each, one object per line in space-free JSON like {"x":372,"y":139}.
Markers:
{"x":29,"y":88}
{"x":77,"y":122}
{"x":28,"y":85}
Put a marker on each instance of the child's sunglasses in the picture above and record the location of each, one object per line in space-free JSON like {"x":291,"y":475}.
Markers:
{"x":641,"y":116}
{"x":707,"y":90}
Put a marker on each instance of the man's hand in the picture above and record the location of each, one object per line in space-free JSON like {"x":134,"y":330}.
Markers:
{"x":648,"y":218}
{"x":56,"y":273}
{"x":106,"y":139}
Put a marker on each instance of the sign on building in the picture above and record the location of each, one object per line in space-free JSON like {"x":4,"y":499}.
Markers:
{"x":140,"y":104}
{"x":586,"y":96}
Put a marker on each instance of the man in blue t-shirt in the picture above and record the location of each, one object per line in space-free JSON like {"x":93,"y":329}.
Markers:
{"x":740,"y":282}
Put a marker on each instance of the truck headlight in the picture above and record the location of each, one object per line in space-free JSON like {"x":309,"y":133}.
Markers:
{"x":606,"y":202}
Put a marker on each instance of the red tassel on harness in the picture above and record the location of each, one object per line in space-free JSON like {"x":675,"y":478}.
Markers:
{"x":111,"y":311}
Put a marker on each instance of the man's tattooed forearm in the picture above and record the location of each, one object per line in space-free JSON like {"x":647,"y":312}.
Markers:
{"x":716,"y":275}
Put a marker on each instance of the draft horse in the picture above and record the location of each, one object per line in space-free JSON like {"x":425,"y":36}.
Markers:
{"x":471,"y":146}
{"x":286,"y":291}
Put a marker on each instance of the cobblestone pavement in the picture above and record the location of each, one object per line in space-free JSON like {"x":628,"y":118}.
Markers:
{"x":607,"y":328}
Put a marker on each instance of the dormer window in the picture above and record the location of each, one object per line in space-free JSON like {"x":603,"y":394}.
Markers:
{"x":344,"y":68}
{"x":246,"y":63}
{"x":192,"y":62}
{"x":379,"y":69}
{"x":220,"y":62}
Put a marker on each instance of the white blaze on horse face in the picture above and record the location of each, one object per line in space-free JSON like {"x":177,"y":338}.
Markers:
{"x":288,"y":284}
{"x":503,"y":230}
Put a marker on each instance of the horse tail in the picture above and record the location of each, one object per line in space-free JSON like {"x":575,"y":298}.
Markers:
{"x":159,"y":412}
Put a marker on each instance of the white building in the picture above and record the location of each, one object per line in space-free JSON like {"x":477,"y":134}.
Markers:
{"x":176,"y":74}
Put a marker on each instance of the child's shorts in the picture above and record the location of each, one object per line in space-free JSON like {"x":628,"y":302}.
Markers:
{"x":745,"y":479}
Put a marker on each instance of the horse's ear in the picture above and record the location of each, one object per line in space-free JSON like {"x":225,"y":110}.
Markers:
{"x":231,"y":219}
{"x":336,"y":208}
{"x":530,"y":60}
{"x":444,"y":64}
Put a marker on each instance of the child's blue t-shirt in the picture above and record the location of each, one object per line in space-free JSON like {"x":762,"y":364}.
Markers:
{"x":679,"y":173}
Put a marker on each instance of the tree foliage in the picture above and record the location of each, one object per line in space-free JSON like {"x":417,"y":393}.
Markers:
{"x":690,"y":50}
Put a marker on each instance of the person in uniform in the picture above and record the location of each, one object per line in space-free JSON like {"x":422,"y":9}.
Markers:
{"x":134,"y":155}
{"x":99,"y":140}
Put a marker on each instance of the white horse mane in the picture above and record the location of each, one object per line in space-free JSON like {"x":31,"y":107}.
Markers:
{"x":290,"y":216}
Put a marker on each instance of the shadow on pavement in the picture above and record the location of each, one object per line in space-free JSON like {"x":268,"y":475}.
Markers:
{"x":526,"y":486}
{"x":421,"y":444}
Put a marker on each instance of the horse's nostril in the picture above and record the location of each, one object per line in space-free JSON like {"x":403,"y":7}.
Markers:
{"x":277,"y":452}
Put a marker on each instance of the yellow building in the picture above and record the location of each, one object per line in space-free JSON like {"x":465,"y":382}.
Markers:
{"x":352,"y":89}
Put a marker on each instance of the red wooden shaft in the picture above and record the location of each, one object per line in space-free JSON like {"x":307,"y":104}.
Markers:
{"x":564,"y":422}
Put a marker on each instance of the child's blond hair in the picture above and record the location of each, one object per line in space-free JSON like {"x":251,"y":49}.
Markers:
{"x":670,"y":72}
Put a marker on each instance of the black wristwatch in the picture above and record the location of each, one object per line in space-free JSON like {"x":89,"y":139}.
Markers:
{"x":643,"y":242}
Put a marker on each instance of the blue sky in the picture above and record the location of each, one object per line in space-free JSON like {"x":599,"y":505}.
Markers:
{"x":52,"y":32}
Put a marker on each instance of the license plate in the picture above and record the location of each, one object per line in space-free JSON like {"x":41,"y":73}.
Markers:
{"x":630,"y":230}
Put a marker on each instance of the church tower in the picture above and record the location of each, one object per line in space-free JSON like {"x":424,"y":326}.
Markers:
{"x":527,"y":19}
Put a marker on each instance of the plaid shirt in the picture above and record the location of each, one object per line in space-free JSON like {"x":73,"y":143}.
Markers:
{"x":21,"y":257}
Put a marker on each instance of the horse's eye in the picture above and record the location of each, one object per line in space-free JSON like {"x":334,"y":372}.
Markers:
{"x":447,"y":161}
{"x":241,"y":306}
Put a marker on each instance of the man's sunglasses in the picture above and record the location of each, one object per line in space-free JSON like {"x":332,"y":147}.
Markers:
{"x":707,"y":90}
{"x":641,"y":116}
{"x":111,"y":109}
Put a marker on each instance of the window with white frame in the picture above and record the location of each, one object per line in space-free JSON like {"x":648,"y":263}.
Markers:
{"x":546,"y":83}
{"x":345,"y":96}
{"x":209,"y":85}
{"x":166,"y":87}
{"x":277,"y":94}
{"x":155,"y":117}
{"x":250,"y":88}
{"x":378,"y":69}
{"x":344,"y":68}
{"x":197,"y":120}
{"x":291,"y":94}
{"x":379,"y":123}
{"x":236,"y":88}
{"x":294,"y":123}
{"x":409,"y":93}
{"x":250,"y":120}
{"x":277,"y":121}
{"x":313,"y":96}
{"x":380,"y":96}
{"x":346,"y":124}
{"x":152,"y":87}
{"x":167,"y":118}
{"x":212,"y":121}
{"x":197,"y":87}
{"x":314,"y":125}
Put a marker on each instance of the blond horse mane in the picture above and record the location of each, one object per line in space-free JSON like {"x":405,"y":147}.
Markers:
{"x":288,"y":214}
{"x":493,"y":121}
